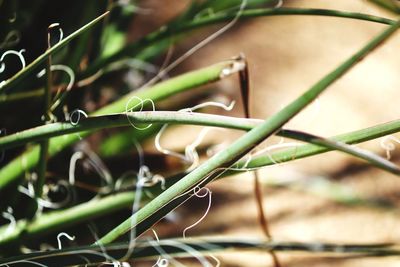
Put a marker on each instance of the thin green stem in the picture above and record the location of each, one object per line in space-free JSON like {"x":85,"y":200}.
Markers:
{"x":37,"y":63}
{"x":56,"y":220}
{"x":44,"y":144}
{"x":178,"y":247}
{"x":176,"y":117}
{"x":29,"y":159}
{"x":308,"y":150}
{"x":168,"y":32}
{"x":205,"y":173}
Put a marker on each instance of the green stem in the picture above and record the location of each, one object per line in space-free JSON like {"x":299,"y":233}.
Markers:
{"x":167,"y":32}
{"x":179,"y":192}
{"x":310,"y":149}
{"x":37,"y":63}
{"x":29,"y":159}
{"x":56,"y":220}
{"x":183,"y":248}
{"x":176,"y":117}
{"x":44,"y":144}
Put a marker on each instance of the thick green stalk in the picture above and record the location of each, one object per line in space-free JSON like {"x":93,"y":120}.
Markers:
{"x":203,"y":174}
{"x":16,"y":168}
{"x":167,"y":32}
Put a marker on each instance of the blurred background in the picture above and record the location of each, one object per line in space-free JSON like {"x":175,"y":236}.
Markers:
{"x":327,"y":198}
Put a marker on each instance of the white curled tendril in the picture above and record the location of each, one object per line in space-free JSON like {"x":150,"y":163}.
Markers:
{"x":62,"y":234}
{"x":210,"y":104}
{"x":144,"y":178}
{"x":71,"y":75}
{"x":196,"y":192}
{"x":72,"y":164}
{"x":198,"y":46}
{"x":96,"y":163}
{"x":11,"y":39}
{"x":279,"y":4}
{"x":194,"y":253}
{"x":268,"y":149}
{"x":12,"y":52}
{"x":44,"y":202}
{"x":387,"y":143}
{"x":78,"y":113}
{"x":54,"y":25}
{"x":161,"y":262}
{"x":137,"y":107}
{"x":8,"y":215}
{"x":191,"y":155}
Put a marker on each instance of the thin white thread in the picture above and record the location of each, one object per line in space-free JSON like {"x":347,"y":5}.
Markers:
{"x":210,"y":104}
{"x":31,"y":262}
{"x":279,"y":4}
{"x":191,"y":153}
{"x":191,"y":156}
{"x":90,"y":79}
{"x":161,"y":262}
{"x":63,"y":234}
{"x":72,"y":164}
{"x":12,"y":52}
{"x":267,"y":150}
{"x":211,"y":151}
{"x":102,"y":248}
{"x":196,"y":192}
{"x":387,"y":144}
{"x":64,"y":68}
{"x":144,"y":175}
{"x":78,"y":113}
{"x":42,"y":202}
{"x":13,"y":18}
{"x":143,"y":171}
{"x":96,"y":163}
{"x":101,"y":169}
{"x":46,"y":203}
{"x":106,"y":256}
{"x":61,"y":36}
{"x":216,"y":260}
{"x":8,"y":215}
{"x":196,"y":254}
{"x":158,"y":247}
{"x":71,"y":75}
{"x":198,"y":46}
{"x":140,"y":104}
{"x":135,"y":207}
{"x":11,"y":39}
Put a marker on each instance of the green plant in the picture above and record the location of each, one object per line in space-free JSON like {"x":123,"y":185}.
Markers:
{"x":108,"y":57}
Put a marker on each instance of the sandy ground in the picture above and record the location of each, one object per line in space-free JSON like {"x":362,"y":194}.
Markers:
{"x":286,"y":56}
